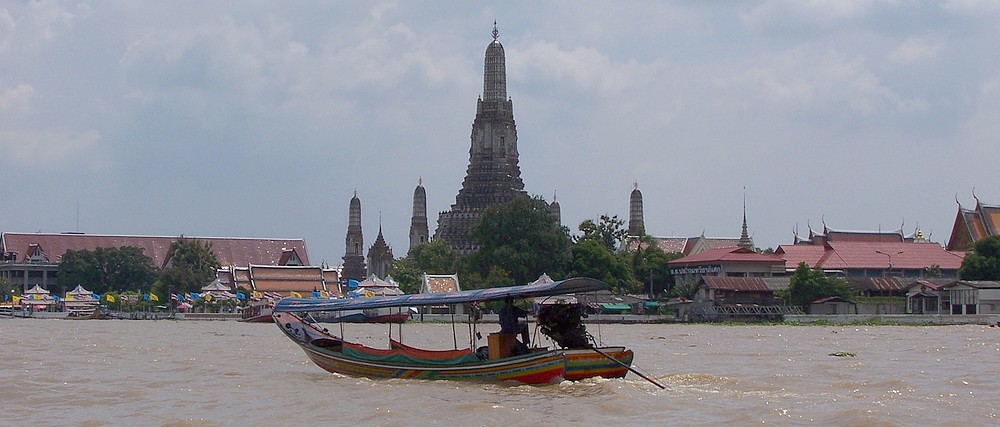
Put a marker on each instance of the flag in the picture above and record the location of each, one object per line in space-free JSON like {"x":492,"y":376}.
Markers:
{"x":193,"y":295}
{"x":174,"y":297}
{"x":17,"y":299}
{"x":110,"y":297}
{"x":145,"y":297}
{"x":208,"y":297}
{"x":296,"y":294}
{"x":324,"y":294}
{"x":97,"y":297}
{"x":258,"y":295}
{"x":241,"y":295}
{"x":69,"y":297}
{"x":315,"y":294}
{"x":153,"y":297}
{"x":352,"y":283}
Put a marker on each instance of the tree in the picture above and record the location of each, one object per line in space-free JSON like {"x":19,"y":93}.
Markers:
{"x":192,"y":265}
{"x":609,"y":231}
{"x":522,"y":238}
{"x":650,"y":266}
{"x":807,"y":285}
{"x":983,"y":262}
{"x":104,"y":269}
{"x":434,"y":257}
{"x":592,"y":259}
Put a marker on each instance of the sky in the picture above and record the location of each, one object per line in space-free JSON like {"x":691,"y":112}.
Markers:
{"x":262,"y":119}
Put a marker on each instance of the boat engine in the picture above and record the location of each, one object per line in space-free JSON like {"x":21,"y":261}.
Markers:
{"x":564,"y":324}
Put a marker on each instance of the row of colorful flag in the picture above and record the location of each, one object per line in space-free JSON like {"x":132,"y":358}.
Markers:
{"x":180,"y":297}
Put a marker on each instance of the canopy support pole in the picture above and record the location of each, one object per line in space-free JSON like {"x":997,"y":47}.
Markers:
{"x":454,"y":333}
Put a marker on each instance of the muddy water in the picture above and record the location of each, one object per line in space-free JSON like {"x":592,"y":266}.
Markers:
{"x":205,"y":373}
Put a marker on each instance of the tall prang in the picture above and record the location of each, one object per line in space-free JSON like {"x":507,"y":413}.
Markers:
{"x":418,"y":222}
{"x":556,"y":210}
{"x":493,"y":177}
{"x":354,"y":259}
{"x":635,"y":218}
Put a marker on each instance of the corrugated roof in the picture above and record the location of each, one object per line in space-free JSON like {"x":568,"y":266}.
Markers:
{"x":880,"y":283}
{"x":738,"y":284}
{"x":228,"y":250}
{"x":978,"y":284}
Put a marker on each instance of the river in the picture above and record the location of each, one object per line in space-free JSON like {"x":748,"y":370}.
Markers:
{"x":222,"y":373}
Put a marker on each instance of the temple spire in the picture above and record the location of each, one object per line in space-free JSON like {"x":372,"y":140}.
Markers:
{"x":745,"y":240}
{"x":493,"y":176}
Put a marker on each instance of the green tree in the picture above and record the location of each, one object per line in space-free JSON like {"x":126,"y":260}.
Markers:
{"x":434,"y":257}
{"x":522,"y":238}
{"x":983,"y":262}
{"x":192,"y":265}
{"x":650,"y":266}
{"x":594,"y":260}
{"x":104,"y":269}
{"x":807,"y":285}
{"x":81,"y":268}
{"x":609,"y":231}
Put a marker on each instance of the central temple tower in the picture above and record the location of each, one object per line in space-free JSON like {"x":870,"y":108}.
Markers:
{"x":493,"y":177}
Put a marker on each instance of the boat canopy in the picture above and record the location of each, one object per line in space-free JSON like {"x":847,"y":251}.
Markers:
{"x":562,"y":287}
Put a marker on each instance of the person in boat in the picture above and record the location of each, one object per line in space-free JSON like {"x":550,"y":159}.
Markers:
{"x":510,"y":320}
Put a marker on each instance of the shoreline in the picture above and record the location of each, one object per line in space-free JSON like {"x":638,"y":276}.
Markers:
{"x":627,"y":319}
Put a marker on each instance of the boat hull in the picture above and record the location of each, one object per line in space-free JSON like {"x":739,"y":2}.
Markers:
{"x":537,"y":368}
{"x":257,"y":314}
{"x":586,"y":363}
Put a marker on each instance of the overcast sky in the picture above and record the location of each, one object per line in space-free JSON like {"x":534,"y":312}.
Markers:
{"x":261,"y":118}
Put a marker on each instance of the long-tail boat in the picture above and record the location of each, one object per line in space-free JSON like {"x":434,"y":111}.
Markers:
{"x":574,"y":359}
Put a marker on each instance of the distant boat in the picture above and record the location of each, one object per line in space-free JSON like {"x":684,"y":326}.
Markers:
{"x":258,"y":313}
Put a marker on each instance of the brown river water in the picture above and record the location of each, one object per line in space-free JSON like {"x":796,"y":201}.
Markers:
{"x":224,"y":373}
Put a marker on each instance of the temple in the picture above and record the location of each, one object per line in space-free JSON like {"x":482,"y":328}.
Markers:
{"x":973,"y":224}
{"x":493,"y":177}
{"x":354,"y":259}
{"x":379,"y":256}
{"x":418,"y":221}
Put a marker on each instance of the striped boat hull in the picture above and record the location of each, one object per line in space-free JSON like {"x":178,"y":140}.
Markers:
{"x":535,"y":368}
{"x":586,"y":363}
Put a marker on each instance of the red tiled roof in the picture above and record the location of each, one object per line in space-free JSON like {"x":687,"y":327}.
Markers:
{"x":229,"y":251}
{"x":909,"y":256}
{"x":711,"y":243}
{"x":795,"y":254}
{"x":739,"y":284}
{"x":974,"y":224}
{"x":284,"y":279}
{"x":722,"y":255}
{"x":671,"y":244}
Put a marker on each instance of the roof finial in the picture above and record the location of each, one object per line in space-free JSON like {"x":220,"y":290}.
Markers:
{"x":958,"y":202}
{"x":635,"y":184}
{"x":496,"y":33}
{"x":420,"y":181}
{"x":553,"y":195}
{"x":975,"y":197}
